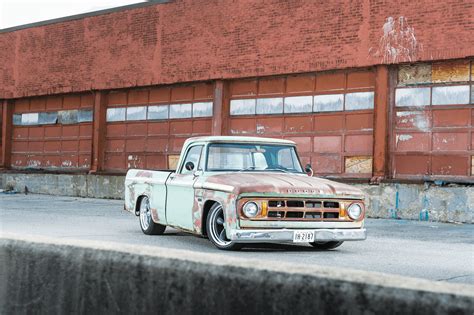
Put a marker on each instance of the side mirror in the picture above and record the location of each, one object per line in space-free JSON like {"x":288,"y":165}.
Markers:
{"x":189,"y":166}
{"x":308,"y":169}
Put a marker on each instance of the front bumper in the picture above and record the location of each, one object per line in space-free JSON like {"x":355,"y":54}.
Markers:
{"x":286,"y":235}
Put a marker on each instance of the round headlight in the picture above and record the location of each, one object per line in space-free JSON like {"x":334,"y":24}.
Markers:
{"x":354,"y":211}
{"x":250,"y":209}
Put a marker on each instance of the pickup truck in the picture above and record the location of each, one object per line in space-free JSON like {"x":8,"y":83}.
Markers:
{"x":240,"y":190}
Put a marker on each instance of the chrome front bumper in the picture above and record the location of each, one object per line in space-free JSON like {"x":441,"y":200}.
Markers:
{"x":286,"y":235}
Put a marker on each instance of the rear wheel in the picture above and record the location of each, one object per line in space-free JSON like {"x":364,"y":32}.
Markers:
{"x":215,"y":226}
{"x":146,"y":222}
{"x":326,"y":245}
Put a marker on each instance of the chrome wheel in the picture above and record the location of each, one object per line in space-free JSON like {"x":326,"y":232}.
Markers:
{"x":217,"y":228}
{"x":145,"y":213}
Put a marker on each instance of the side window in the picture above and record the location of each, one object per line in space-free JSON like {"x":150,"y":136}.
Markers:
{"x":193,"y":155}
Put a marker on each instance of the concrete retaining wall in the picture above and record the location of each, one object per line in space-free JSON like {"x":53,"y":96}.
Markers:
{"x":426,"y":202}
{"x":46,"y":277}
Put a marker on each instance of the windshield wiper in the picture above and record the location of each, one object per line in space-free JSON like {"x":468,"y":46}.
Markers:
{"x":277,"y":169}
{"x":248,"y":169}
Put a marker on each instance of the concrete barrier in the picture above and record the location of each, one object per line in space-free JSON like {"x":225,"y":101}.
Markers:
{"x":49,"y":277}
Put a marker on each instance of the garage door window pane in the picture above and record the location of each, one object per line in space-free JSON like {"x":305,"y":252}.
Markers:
{"x":116,"y":114}
{"x":242,"y":107}
{"x":68,"y":117}
{"x":17,"y":119}
{"x":270,"y":106}
{"x":136,"y":113}
{"x":180,"y":111}
{"x":85,"y":115}
{"x":29,"y":119}
{"x":412,"y":97}
{"x":298,"y":104}
{"x":202,"y":109}
{"x":328,"y":103}
{"x":446,"y":95}
{"x":361,"y":100}
{"x":158,"y":112}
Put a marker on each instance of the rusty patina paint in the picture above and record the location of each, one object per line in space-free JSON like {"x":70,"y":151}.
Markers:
{"x":414,"y":74}
{"x":451,"y":71}
{"x":358,"y":164}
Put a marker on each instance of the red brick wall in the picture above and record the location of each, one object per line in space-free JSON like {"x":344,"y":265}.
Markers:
{"x":189,"y":40}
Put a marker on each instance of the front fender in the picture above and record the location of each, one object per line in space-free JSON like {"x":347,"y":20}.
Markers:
{"x":228,"y":202}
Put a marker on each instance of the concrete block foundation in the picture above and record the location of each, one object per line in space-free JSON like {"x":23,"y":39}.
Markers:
{"x":425,"y":202}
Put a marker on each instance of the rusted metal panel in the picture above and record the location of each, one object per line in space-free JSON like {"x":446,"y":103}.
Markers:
{"x":87,"y":100}
{"x":21,"y":106}
{"x":181,"y":127}
{"x":360,"y":79}
{"x":136,"y":129}
{"x":450,"y":71}
{"x":411,"y":164}
{"x":204,"y":91}
{"x":267,"y":126}
{"x":380,"y":118}
{"x":37,"y":104}
{"x":330,"y":82}
{"x":363,"y":122}
{"x":420,"y":120}
{"x":71,"y":102}
{"x":157,"y":145}
{"x":358,"y":165}
{"x":138,"y":97}
{"x":177,"y":144}
{"x":328,"y":122}
{"x":114,"y":162}
{"x":156,"y":162}
{"x":117,"y":98}
{"x":243,"y":88}
{"x":158,"y":128}
{"x":271,"y":86}
{"x":242,"y":126}
{"x":358,"y":143}
{"x":414,"y":141}
{"x":450,"y":165}
{"x":160,"y":95}
{"x":450,"y":141}
{"x":327,"y":144}
{"x":182,"y":93}
{"x":6,"y":133}
{"x":54,"y":102}
{"x":414,"y":74}
{"x":298,"y":124}
{"x":303,"y":144}
{"x":115,"y":145}
{"x":300,"y":83}
{"x":451,"y":118}
{"x":326,"y":164}
{"x":202,"y":126}
{"x":472,"y":165}
{"x":135,"y":145}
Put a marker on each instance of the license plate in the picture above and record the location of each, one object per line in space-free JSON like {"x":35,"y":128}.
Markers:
{"x":303,"y":236}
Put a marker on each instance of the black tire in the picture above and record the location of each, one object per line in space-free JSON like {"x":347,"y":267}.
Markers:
{"x":215,"y":228}
{"x":146,"y":222}
{"x":326,"y":245}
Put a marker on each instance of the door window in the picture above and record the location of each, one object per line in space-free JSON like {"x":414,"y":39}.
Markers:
{"x":193,"y":155}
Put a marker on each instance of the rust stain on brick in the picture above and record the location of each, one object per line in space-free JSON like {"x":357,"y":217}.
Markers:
{"x":358,"y":164}
{"x":414,"y":74}
{"x":451,"y":71}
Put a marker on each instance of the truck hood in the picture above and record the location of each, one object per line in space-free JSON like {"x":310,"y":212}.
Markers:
{"x":279,"y":184}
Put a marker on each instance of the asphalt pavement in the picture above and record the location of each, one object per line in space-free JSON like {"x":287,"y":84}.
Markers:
{"x":429,"y":250}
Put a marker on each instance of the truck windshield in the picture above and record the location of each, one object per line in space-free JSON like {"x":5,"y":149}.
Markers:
{"x":253,"y":158}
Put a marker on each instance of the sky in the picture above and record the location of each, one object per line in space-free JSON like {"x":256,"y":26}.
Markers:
{"x":19,"y":12}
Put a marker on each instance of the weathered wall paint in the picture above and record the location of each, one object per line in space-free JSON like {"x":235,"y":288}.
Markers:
{"x":193,"y":40}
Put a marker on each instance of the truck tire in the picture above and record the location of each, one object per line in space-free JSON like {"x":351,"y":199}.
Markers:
{"x":216,"y":229}
{"x":146,"y":222}
{"x":326,"y":245}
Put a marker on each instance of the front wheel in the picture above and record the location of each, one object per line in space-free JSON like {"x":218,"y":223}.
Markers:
{"x":215,"y":226}
{"x":146,"y":222}
{"x":326,"y":245}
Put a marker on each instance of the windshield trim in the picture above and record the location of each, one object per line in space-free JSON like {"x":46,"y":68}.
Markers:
{"x":252,"y":143}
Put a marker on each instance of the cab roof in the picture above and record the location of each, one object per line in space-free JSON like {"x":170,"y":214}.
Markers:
{"x":235,"y":139}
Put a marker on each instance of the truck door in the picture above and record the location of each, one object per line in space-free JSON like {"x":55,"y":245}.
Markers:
{"x":180,"y":185}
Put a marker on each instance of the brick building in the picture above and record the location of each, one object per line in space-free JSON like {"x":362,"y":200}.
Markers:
{"x":380,"y":90}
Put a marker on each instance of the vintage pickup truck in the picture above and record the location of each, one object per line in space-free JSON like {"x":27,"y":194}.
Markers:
{"x":238,"y":190}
